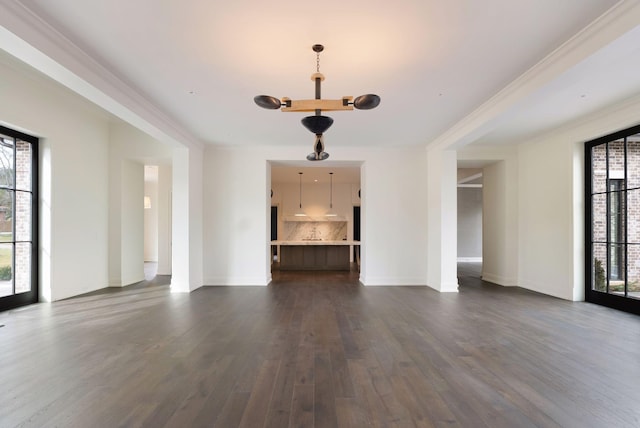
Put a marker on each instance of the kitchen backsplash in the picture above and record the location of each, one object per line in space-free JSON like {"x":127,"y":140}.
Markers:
{"x":315,"y":230}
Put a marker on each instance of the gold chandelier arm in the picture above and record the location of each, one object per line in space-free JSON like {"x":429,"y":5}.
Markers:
{"x":325,"y":105}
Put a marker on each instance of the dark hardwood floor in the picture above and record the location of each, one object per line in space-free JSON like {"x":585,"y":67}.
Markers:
{"x":318,"y":350}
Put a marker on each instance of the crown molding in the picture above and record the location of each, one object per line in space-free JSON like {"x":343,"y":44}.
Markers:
{"x":28,"y":37}
{"x":614,"y":23}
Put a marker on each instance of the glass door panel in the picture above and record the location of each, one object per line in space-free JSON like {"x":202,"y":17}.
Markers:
{"x":23,"y":161}
{"x":600,"y":273}
{"x":18,"y":219}
{"x":633,"y":216}
{"x":616,"y":159}
{"x":617,"y":283}
{"x":6,"y":270}
{"x":633,"y":271}
{"x":23,"y":216}
{"x":612,"y":189}
{"x":598,"y":218}
{"x":633,"y":161}
{"x":599,"y":168}
{"x":23,"y":267}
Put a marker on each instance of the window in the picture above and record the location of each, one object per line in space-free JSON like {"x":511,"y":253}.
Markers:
{"x":18,"y":219}
{"x":612,"y":214}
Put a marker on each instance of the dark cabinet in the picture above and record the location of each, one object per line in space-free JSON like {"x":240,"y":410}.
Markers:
{"x":314,"y":257}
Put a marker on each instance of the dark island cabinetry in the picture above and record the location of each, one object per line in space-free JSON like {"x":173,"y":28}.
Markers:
{"x":314,"y":257}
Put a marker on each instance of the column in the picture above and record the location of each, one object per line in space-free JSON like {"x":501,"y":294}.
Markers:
{"x":442,"y":220}
{"x":187,"y":228}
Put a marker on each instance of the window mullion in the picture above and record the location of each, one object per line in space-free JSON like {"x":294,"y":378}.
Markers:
{"x":626,"y":223}
{"x":608,"y":221}
{"x":13,"y":216}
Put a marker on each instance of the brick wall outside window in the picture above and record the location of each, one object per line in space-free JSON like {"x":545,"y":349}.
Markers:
{"x":629,"y":198}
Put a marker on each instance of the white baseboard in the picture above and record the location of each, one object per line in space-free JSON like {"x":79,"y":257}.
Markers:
{"x":500,"y":280}
{"x":451,"y":287}
{"x":382,"y":281}
{"x":237,"y":282}
{"x":469,"y":259}
{"x":544,"y":289}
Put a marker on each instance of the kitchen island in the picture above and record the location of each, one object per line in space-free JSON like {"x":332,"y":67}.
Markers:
{"x":314,"y":254}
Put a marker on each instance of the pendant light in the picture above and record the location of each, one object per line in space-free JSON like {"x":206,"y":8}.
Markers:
{"x":331,"y":213}
{"x":318,"y":123}
{"x":300,"y":213}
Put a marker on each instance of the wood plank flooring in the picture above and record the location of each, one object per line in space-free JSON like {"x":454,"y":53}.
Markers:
{"x":318,"y":350}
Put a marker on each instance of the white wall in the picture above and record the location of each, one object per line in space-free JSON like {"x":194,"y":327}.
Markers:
{"x":236,"y":216}
{"x":469,"y":224}
{"x":500,"y":223}
{"x":236,"y":212}
{"x":394,"y":217}
{"x":546,"y":218}
{"x":74,"y":171}
{"x":552,"y":202}
{"x":132,"y":222}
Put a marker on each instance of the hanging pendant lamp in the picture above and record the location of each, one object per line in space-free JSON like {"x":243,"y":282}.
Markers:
{"x":300,"y":213}
{"x":331,"y":213}
{"x":317,"y":123}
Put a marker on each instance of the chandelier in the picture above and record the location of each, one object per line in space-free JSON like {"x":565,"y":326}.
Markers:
{"x":318,"y":123}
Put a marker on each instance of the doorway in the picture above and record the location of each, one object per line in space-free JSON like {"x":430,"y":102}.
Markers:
{"x":469,"y":191}
{"x":18,"y":219}
{"x":612,"y":198}
{"x":313,"y":204}
{"x":150,"y":221}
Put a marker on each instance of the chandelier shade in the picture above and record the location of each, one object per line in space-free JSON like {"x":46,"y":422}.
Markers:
{"x":366,"y":102}
{"x":317,"y":124}
{"x":268,"y":102}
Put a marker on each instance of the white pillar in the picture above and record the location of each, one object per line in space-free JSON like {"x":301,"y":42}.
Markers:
{"x":164,"y":219}
{"x":442,"y":231}
{"x":187,"y":262}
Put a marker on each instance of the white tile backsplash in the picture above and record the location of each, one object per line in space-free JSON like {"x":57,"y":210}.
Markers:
{"x":315,"y":230}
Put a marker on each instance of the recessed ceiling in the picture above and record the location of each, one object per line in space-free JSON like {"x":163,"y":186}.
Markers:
{"x":432,"y":62}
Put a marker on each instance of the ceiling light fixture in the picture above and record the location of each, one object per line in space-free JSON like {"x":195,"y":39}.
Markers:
{"x":331,"y":213}
{"x":318,"y":123}
{"x":300,"y":213}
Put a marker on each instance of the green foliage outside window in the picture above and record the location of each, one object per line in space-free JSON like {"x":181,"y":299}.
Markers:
{"x":600,"y":283}
{"x":5,"y":273}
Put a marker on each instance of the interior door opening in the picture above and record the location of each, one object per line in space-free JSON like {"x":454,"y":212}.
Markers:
{"x":470,"y":222}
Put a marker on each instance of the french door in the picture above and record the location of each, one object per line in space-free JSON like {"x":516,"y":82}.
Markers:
{"x":612,"y":220}
{"x":18,"y":219}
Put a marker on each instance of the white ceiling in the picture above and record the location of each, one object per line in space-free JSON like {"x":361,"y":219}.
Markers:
{"x":432,"y":62}
{"x":605,"y":78}
{"x":283,"y":173}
